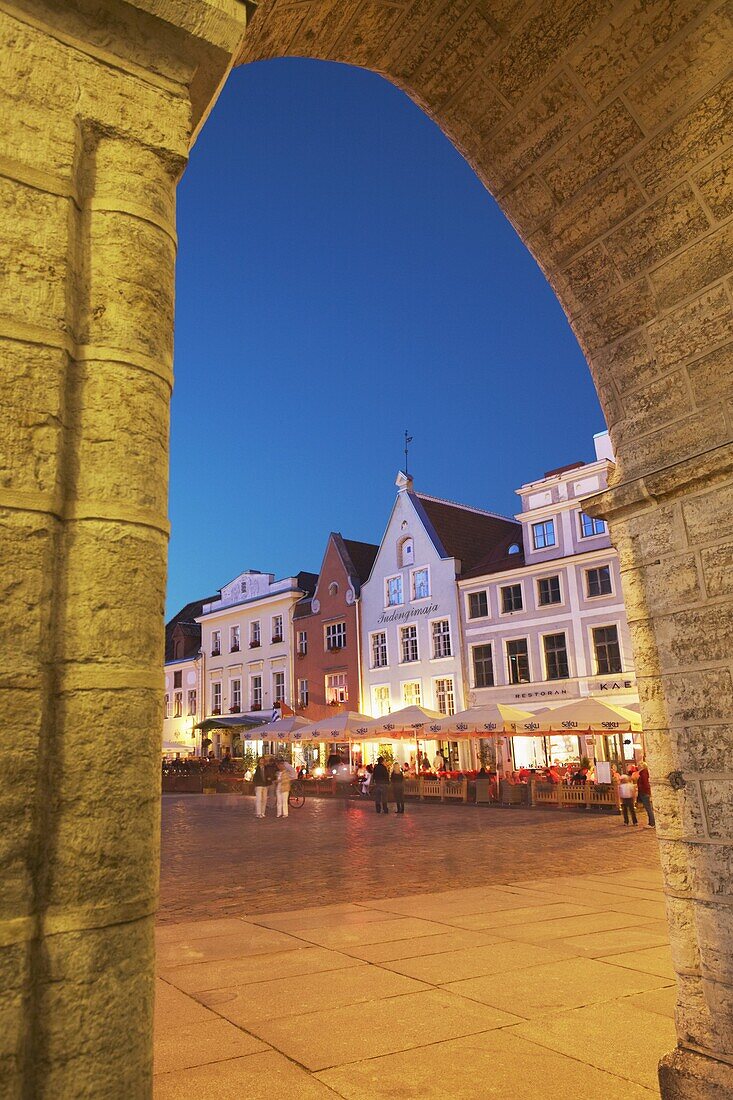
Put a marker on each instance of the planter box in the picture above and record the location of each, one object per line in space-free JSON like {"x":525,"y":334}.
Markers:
{"x":182,"y":784}
{"x":513,"y":794}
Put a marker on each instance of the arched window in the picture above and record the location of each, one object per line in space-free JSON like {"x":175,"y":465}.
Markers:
{"x":514,"y":548}
{"x":333,"y":589}
{"x":406,"y":551}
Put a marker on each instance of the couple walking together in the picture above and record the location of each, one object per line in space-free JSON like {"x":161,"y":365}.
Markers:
{"x":382,"y":781}
{"x":281,"y":780}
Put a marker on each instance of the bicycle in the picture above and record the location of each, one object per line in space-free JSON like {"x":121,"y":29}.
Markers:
{"x":296,"y":794}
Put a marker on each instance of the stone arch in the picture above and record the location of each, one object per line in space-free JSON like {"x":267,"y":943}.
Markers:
{"x":603,"y":130}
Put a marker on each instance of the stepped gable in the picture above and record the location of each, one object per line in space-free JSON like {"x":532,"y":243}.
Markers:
{"x":470,"y":534}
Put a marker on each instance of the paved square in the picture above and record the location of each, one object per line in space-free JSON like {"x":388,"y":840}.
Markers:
{"x":462,"y":952}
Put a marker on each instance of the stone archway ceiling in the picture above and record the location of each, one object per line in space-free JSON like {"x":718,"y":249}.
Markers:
{"x":601,"y":128}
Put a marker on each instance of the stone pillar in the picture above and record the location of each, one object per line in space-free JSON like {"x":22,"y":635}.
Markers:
{"x":674,"y":533}
{"x":102,"y":102}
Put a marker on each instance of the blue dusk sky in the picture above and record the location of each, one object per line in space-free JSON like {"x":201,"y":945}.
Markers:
{"x":343,"y":276}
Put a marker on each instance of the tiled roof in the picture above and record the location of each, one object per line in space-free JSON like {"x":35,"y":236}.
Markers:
{"x":303,"y":607}
{"x":469,"y":534}
{"x":499,"y":561}
{"x":185,"y":619}
{"x":307,"y":582}
{"x":362,"y":555}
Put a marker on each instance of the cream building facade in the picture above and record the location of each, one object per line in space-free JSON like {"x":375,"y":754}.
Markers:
{"x":246,"y":647}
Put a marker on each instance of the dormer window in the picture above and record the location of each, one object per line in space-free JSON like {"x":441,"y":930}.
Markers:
{"x":406,"y":554}
{"x":514,"y":548}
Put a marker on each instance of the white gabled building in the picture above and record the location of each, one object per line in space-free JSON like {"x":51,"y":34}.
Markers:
{"x":412,"y":646}
{"x":547,"y":624}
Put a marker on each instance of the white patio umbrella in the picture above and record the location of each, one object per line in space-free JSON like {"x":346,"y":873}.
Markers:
{"x":337,"y":727}
{"x":589,"y":715}
{"x":281,"y":730}
{"x":480,"y":721}
{"x":409,"y":721}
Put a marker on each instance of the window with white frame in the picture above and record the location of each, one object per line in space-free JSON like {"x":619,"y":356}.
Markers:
{"x":278,"y":687}
{"x":336,"y":636}
{"x":379,"y":649}
{"x":167,"y":706}
{"x":408,"y":641}
{"x":215,"y":643}
{"x":192,"y":701}
{"x":548,"y":591}
{"x":236,"y":696}
{"x":590,"y":526}
{"x":337,"y":688}
{"x":511,"y":598}
{"x":543,"y":534}
{"x":302,"y":642}
{"x":216,"y":698}
{"x":556,"y":656}
{"x":406,"y":553}
{"x":420,"y":583}
{"x":255,"y":634}
{"x":277,"y":628}
{"x":441,"y":639}
{"x":444,"y":695}
{"x":483,"y":666}
{"x":517,"y":656}
{"x":411,"y":694}
{"x":393,"y":591}
{"x":255,"y":692}
{"x":607,"y":649}
{"x":302,"y":693}
{"x":598,"y":581}
{"x":178,"y":704}
{"x":234,"y":639}
{"x":478,"y":605}
{"x":381,"y":701}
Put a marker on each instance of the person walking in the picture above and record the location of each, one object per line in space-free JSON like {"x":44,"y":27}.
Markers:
{"x":261,"y":785}
{"x":398,"y":787}
{"x":644,"y":792}
{"x":282,"y":788}
{"x":627,"y":794}
{"x":380,"y":782}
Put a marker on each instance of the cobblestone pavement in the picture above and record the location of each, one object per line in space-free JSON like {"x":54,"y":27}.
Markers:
{"x":218,"y":860}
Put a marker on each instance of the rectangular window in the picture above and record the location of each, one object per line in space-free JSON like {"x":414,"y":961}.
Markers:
{"x":192,"y":701}
{"x":441,"y":639}
{"x":543,"y":534}
{"x":548,"y":591}
{"x":337,"y":689}
{"x":608,"y":653}
{"x":598,"y":581}
{"x":511,"y":598}
{"x":215,"y":643}
{"x":590,"y":526}
{"x":411,"y":694}
{"x":556,"y":656}
{"x":234,"y":639}
{"x":178,"y":704}
{"x":277,"y":628}
{"x":379,"y":650}
{"x":393,"y":591}
{"x":255,"y":691}
{"x":278,"y":687}
{"x":336,"y":636}
{"x":517,"y":657}
{"x":302,"y":643}
{"x":216,"y":698}
{"x":236,"y":696}
{"x":178,"y":678}
{"x":167,"y":707}
{"x":444,"y":697}
{"x":478,"y":605}
{"x":420,"y":584}
{"x":255,"y":636}
{"x":302,"y":693}
{"x":483,"y":666}
{"x":381,"y":701}
{"x":408,"y":637}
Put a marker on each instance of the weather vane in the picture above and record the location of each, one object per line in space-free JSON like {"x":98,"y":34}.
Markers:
{"x":408,"y":441}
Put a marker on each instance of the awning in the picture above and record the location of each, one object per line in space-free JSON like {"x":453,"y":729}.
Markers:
{"x":228,"y":722}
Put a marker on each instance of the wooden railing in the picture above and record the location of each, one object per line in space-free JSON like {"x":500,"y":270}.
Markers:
{"x":581,"y":794}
